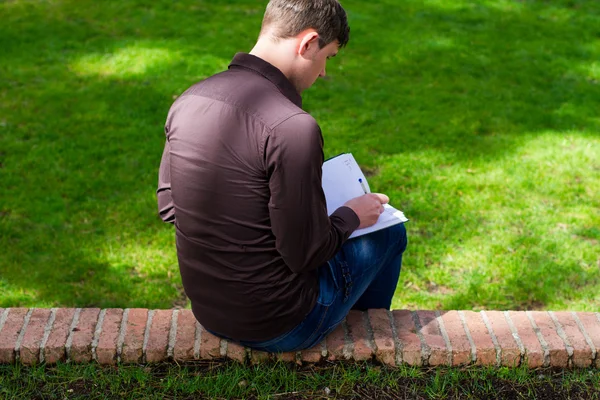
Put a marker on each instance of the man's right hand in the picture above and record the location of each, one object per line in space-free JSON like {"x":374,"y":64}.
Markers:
{"x":368,"y":207}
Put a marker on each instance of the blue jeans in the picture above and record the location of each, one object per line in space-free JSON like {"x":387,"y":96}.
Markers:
{"x":362,"y":275}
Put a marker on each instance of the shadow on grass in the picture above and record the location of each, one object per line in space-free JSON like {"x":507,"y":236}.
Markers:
{"x":87,"y":87}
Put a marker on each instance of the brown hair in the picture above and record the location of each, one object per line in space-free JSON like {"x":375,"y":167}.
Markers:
{"x":290,"y":17}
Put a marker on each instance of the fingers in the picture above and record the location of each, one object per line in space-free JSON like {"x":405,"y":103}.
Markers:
{"x":381,"y":209}
{"x":382,"y":198}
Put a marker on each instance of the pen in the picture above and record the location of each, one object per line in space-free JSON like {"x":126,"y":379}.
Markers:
{"x":363,"y":185}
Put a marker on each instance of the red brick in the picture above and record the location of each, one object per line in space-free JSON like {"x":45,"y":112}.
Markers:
{"x":158,"y":338}
{"x":83,"y":335}
{"x":10,"y":333}
{"x":407,"y":336}
{"x":385,"y":351}
{"x":510,"y":353}
{"x":486,"y":352}
{"x":186,"y":336}
{"x":54,"y":350}
{"x":335,"y":344}
{"x":357,"y":331}
{"x":582,"y":352}
{"x":433,"y":338}
{"x":259,"y":357}
{"x":134,"y":335}
{"x":534,"y":354}
{"x":558,"y":351}
{"x":591,"y":324}
{"x":461,"y":348}
{"x":210,"y":345}
{"x":288,"y":357}
{"x":106,"y":349}
{"x":236,"y":352}
{"x":34,"y":333}
{"x":314,"y":354}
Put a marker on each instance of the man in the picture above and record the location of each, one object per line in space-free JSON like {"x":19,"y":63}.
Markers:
{"x":240,"y":177}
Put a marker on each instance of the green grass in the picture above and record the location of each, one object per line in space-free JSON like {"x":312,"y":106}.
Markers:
{"x":480,"y":119}
{"x":279,"y":381}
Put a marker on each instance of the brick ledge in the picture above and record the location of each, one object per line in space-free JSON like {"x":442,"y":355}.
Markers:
{"x":135,"y":335}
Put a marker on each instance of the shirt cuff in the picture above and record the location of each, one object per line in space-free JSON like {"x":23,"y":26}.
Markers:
{"x":347,"y":215}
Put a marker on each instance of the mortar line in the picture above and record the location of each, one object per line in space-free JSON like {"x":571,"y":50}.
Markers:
{"x":438,"y":317}
{"x":122,"y":330}
{"x":563,"y":335}
{"x":22,"y":334}
{"x":74,"y":323}
{"x":370,"y":334}
{"x":3,"y":318}
{"x":147,"y":334}
{"x":585,"y":335}
{"x":463,"y":321}
{"x":97,"y":332}
{"x":197,"y":337}
{"x":172,"y":334}
{"x":540,"y":337}
{"x":47,"y":330}
{"x":348,"y":349}
{"x":397,"y":345}
{"x":488,"y":325}
{"x":515,"y":334}
{"x":425,"y":350}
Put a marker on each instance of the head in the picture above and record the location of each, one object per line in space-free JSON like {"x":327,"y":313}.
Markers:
{"x":299,"y":36}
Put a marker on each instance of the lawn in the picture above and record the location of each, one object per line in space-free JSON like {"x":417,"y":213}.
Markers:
{"x":480,"y":120}
{"x":278,"y":381}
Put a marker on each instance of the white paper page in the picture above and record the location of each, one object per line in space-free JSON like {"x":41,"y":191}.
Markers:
{"x":342,"y":181}
{"x":389,"y":217}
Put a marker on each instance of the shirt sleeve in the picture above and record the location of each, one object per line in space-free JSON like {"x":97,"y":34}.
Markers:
{"x":166,"y":209}
{"x":306,"y":237}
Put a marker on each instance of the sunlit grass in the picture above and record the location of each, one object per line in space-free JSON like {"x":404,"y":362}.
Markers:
{"x":478,"y":118}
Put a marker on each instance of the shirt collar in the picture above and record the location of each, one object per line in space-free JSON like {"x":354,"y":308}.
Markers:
{"x":270,"y":72}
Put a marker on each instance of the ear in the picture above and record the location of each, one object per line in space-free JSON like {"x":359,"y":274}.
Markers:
{"x":309,"y":43}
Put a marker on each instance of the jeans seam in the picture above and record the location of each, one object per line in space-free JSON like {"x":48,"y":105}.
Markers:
{"x":321,"y":321}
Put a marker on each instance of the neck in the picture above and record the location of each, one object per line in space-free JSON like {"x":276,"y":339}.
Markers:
{"x":276,"y":53}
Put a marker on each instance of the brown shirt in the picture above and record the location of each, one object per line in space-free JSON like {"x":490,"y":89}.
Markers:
{"x":240,"y":178}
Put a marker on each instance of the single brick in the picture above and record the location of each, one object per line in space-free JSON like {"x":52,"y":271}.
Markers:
{"x":385,"y":351}
{"x":158,"y":338}
{"x":486,"y":351}
{"x":358,"y":333}
{"x":10,"y":333}
{"x":134,"y":335}
{"x":30,"y":346}
{"x":461,"y":348}
{"x":582,"y":352}
{"x":510,"y":352}
{"x":83,"y":335}
{"x":335,"y":344}
{"x":236,"y":352}
{"x":186,"y":336}
{"x":314,"y":354}
{"x":433,"y":338}
{"x":106,"y":350}
{"x":54,"y":350}
{"x":210,"y":345}
{"x":534,"y":354}
{"x":407,"y":336}
{"x":556,"y":347}
{"x":288,"y":357}
{"x":259,"y":357}
{"x":591,"y":325}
